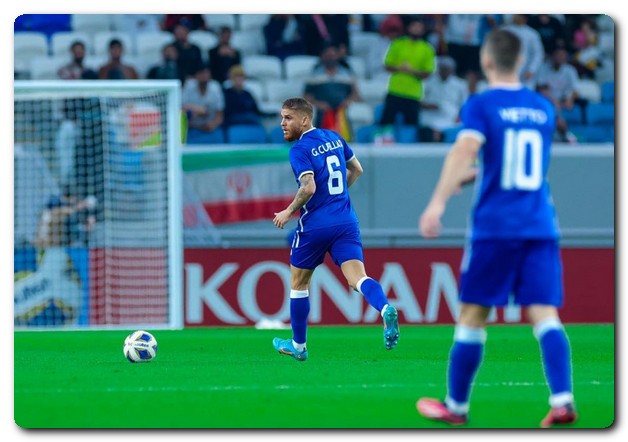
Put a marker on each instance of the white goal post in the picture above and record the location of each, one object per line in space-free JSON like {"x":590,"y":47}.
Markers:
{"x":98,"y":239}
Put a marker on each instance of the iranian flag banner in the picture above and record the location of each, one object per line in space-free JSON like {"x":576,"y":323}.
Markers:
{"x":240,"y":185}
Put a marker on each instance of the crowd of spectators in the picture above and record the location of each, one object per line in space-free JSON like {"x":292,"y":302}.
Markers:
{"x":427,"y":63}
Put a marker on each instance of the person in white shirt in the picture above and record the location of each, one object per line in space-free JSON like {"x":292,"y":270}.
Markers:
{"x":204,"y":103}
{"x":531,"y":49}
{"x":444,"y":95}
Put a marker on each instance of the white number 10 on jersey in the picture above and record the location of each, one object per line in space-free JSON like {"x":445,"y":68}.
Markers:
{"x":518,"y":170}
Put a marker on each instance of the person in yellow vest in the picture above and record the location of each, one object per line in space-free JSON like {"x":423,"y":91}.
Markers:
{"x":410,"y":59}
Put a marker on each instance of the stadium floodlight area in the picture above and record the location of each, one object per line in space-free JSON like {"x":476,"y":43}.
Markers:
{"x":97,"y":204}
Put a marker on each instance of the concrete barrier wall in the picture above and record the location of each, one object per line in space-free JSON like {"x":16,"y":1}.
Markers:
{"x":398,"y":182}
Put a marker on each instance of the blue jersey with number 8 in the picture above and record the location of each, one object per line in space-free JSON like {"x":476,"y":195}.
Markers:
{"x":512,"y":197}
{"x":325,"y":154}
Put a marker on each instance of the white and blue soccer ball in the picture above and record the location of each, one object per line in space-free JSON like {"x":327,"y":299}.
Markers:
{"x":140,"y":346}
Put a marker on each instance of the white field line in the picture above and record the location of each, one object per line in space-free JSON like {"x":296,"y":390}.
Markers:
{"x":282,"y":387}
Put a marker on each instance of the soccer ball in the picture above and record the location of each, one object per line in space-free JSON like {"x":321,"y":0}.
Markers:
{"x":140,"y":346}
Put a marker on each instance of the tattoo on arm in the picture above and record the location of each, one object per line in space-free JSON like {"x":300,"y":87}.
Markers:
{"x":302,"y":196}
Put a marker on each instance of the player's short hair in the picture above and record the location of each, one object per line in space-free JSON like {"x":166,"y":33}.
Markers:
{"x":300,"y":105}
{"x":504,"y":46}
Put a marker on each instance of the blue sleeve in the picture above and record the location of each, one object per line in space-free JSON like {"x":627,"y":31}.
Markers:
{"x":300,"y":162}
{"x":472,"y":116}
{"x":348,"y":152}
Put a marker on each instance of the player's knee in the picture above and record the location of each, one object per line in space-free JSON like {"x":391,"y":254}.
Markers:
{"x":539,"y":313}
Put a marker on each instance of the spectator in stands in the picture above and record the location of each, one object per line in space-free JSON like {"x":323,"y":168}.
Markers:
{"x":531,"y":49}
{"x":410,"y":59}
{"x":587,"y":56}
{"x":189,"y":55}
{"x":444,"y":95}
{"x":436,"y":35}
{"x":223,"y":56}
{"x":168,"y":69}
{"x":463,"y":37}
{"x":193,"y":22}
{"x":283,"y":36}
{"x":557,"y":81}
{"x":76,"y":70}
{"x":551,"y":30}
{"x":204,"y":103}
{"x":390,"y":29}
{"x":240,"y":105}
{"x":322,"y":30}
{"x":476,"y":82}
{"x":115,"y":69}
{"x":330,"y":88}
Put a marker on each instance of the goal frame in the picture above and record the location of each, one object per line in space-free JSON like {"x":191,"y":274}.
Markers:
{"x":172,"y":88}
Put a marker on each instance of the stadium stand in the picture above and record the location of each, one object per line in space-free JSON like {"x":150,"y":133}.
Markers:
{"x":39,"y":50}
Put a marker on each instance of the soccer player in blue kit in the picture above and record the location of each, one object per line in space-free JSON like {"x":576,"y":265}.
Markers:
{"x":325,"y":167}
{"x":513,"y":244}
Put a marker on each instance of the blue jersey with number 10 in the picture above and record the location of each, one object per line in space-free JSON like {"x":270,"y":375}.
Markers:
{"x":325,"y":154}
{"x":512,"y":196}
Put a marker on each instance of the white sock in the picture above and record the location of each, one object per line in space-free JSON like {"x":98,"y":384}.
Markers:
{"x":383,"y":310}
{"x":299,"y":347}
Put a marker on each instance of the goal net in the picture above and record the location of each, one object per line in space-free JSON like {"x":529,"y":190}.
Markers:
{"x":97,"y":216}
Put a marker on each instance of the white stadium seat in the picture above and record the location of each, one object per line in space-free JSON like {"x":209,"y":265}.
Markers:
{"x":589,"y":90}
{"x":299,"y":66}
{"x":360,"y":114}
{"x":102,"y":39}
{"x":91,"y":23}
{"x":149,"y":44}
{"x":372,"y":92}
{"x":205,"y":40}
{"x":262,"y":67}
{"x":61,"y":41}
{"x":248,"y":42}
{"x":30,"y":44}
{"x":45,"y":68}
{"x":358,"y":66}
{"x":360,"y":43}
{"x":253,"y":22}
{"x":215,"y":21}
{"x":278,"y":90}
{"x":257,"y":89}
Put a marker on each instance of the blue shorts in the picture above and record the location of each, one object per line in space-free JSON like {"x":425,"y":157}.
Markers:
{"x":531,"y":270}
{"x":343,"y":243}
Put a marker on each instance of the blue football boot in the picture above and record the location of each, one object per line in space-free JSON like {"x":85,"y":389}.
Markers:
{"x":391,"y":327}
{"x":285,"y":346}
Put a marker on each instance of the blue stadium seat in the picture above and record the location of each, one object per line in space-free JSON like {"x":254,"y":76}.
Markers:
{"x":600,"y":114}
{"x":450,"y":134}
{"x":573,"y":116}
{"x":405,"y":134}
{"x":364,"y":134}
{"x":245,"y":133}
{"x":196,"y":136}
{"x":608,"y":92}
{"x":592,"y":134}
{"x":276,"y":135}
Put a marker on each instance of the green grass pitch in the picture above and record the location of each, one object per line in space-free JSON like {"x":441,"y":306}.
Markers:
{"x":234,"y":378}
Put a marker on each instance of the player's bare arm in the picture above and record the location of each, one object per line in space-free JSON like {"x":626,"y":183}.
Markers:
{"x":304,"y":194}
{"x":458,"y":170}
{"x":354,"y":170}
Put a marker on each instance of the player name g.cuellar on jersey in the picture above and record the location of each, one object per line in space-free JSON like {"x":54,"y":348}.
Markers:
{"x":325,"y":154}
{"x":512,"y":197}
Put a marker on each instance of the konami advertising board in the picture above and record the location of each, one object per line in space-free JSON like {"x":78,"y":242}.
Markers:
{"x":227,"y":287}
